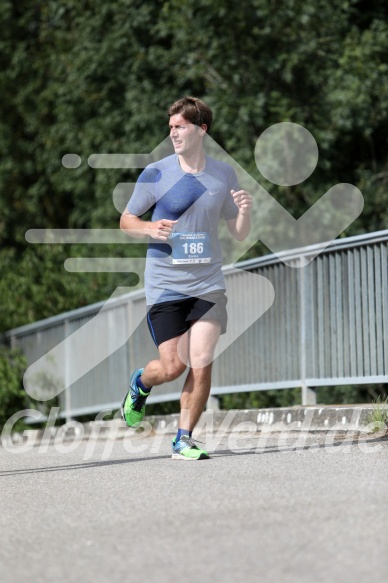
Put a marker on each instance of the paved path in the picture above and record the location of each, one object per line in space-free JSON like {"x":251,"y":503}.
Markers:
{"x":297,"y":511}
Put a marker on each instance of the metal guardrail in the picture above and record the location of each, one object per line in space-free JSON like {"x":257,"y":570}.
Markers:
{"x":327,"y":326}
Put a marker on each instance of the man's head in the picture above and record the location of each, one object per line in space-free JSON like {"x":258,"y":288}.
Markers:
{"x":194,"y":111}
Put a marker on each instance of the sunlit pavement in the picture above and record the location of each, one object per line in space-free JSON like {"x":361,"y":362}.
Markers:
{"x":302,"y":508}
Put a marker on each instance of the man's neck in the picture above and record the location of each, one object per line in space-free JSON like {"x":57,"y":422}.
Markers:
{"x":194,"y":163}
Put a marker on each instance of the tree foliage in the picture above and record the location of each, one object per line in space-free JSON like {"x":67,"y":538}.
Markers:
{"x":12,"y":395}
{"x":84,"y":77}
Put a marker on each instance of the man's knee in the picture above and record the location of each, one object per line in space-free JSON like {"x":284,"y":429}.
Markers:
{"x":202,"y":359}
{"x":173,"y":370}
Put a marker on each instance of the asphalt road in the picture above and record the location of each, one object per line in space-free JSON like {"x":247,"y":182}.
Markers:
{"x":273,"y":511}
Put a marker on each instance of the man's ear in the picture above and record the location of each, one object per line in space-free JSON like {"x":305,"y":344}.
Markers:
{"x":203,"y":129}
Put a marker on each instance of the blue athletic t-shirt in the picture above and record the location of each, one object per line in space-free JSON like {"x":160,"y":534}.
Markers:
{"x":190,"y":264}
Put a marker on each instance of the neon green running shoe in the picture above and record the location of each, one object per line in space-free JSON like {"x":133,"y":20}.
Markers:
{"x":133,"y":404}
{"x":185,"y":449}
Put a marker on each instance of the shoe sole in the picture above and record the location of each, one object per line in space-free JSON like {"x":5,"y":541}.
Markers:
{"x":178,"y":456}
{"x":122,"y":406}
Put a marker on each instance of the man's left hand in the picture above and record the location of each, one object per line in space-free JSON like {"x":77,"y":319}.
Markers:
{"x":243,"y":200}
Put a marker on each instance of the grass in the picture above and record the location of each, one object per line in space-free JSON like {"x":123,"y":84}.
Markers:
{"x":378,"y":418}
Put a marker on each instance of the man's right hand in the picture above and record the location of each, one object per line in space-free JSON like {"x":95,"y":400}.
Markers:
{"x":160,"y":230}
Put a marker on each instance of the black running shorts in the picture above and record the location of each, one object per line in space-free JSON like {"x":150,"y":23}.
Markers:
{"x":173,"y":318}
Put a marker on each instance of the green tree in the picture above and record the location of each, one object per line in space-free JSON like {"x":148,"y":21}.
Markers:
{"x":81,"y":77}
{"x":12,"y":395}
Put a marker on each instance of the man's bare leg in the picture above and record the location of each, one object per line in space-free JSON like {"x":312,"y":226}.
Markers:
{"x":204,"y":335}
{"x":170,"y":365}
{"x":167,"y":368}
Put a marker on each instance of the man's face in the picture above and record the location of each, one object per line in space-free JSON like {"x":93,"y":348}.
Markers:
{"x":186,"y":137}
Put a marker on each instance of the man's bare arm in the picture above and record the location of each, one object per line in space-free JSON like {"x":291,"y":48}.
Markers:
{"x":241,"y":225}
{"x":133,"y":226}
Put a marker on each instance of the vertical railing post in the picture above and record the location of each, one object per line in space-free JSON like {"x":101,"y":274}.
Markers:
{"x":131,"y":354}
{"x":67,"y":372}
{"x":13,"y":343}
{"x":308,"y":394}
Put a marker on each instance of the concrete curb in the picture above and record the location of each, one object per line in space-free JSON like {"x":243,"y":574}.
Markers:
{"x":320,"y":418}
{"x":355,"y":419}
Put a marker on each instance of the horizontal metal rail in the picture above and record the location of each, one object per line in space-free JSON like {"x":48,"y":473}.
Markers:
{"x":327,"y":326}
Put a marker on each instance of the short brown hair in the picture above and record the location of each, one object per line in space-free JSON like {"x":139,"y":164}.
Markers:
{"x":194,"y":110}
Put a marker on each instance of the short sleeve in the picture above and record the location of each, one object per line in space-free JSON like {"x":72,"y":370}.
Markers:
{"x":144,"y":194}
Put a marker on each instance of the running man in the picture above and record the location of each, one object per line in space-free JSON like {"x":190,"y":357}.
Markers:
{"x":188,"y":193}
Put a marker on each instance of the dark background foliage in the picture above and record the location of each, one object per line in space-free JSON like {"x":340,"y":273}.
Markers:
{"x":85,"y":77}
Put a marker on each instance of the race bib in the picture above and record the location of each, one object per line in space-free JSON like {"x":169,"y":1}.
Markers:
{"x":191,"y":248}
